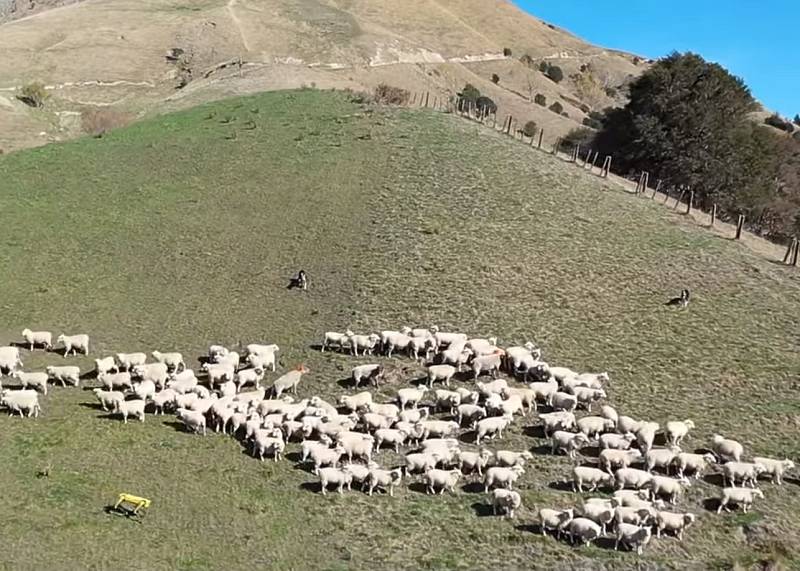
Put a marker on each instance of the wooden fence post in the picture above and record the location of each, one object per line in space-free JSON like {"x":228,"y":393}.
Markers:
{"x":691,"y":201}
{"x":594,"y":161}
{"x":541,"y":134}
{"x":680,"y":199}
{"x":658,"y":187}
{"x":414,"y":99}
{"x":427,"y":96}
{"x":510,"y":120}
{"x":494,"y":121}
{"x":606,"y":167}
{"x":533,"y":138}
{"x":713,"y":215}
{"x":575,"y":152}
{"x":557,"y":146}
{"x":787,"y":257}
{"x":739,"y":226}
{"x":796,"y":250}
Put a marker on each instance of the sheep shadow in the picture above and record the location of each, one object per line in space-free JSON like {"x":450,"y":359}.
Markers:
{"x":293,"y":456}
{"x":130,"y":516}
{"x":313,"y":487}
{"x":346,"y":383}
{"x":483,"y":510}
{"x":418,"y":487}
{"x":113,"y":416}
{"x":177,"y":426}
{"x":92,"y":405}
{"x":316,"y":347}
{"x":534,"y":431}
{"x":20,"y":345}
{"x":61,"y":351}
{"x":660,"y":439}
{"x":715,"y":480}
{"x":88,"y":375}
{"x":711,"y":504}
{"x":473,"y":488}
{"x":534,"y":528}
{"x":542,"y":450}
{"x":607,"y":543}
{"x":791,"y":480}
{"x":560,"y":486}
{"x":590,"y":452}
{"x":468,"y":437}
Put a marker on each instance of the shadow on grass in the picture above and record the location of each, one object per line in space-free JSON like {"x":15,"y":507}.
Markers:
{"x":607,"y":543}
{"x":313,"y":487}
{"x":711,"y":504}
{"x":92,"y":406}
{"x":177,"y":426}
{"x":714,"y":480}
{"x":560,"y":486}
{"x":468,"y":437}
{"x":483,"y":510}
{"x":543,"y":450}
{"x":418,"y":487}
{"x":535,"y":431}
{"x":590,"y":452}
{"x":346,"y":383}
{"x":534,"y":528}
{"x":473,"y":488}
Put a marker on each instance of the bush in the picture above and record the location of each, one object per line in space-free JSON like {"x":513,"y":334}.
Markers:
{"x":485,"y":105}
{"x":540,"y":99}
{"x":564,"y":114}
{"x":33,"y":94}
{"x":610,"y":91}
{"x":778,"y":122}
{"x":593,"y":123}
{"x":390,"y":95}
{"x":554,"y":73}
{"x":99,"y":121}
{"x":797,"y":120}
{"x":527,"y":60}
{"x":470,"y":93}
{"x":529,"y":130}
{"x":507,"y":52}
{"x":495,"y":78}
{"x":579,"y":136}
{"x":556,"y":107}
{"x":543,"y":66}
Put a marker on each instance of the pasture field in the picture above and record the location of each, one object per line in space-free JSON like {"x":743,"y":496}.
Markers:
{"x":183,"y":230}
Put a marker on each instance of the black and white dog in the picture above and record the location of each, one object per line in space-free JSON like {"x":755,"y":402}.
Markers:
{"x":681,"y":301}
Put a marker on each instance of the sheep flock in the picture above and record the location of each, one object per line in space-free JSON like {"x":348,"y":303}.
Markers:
{"x":442,"y":423}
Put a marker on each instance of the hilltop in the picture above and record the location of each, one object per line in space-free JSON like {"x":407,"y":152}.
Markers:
{"x":113,"y":53}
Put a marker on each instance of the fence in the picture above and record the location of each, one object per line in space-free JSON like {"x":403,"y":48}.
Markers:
{"x":485,"y":116}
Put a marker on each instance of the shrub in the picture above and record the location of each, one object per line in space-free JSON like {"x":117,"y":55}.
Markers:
{"x":554,"y":73}
{"x":579,"y":136}
{"x":390,"y":95}
{"x":564,"y":114}
{"x":797,"y":120}
{"x":529,"y":130}
{"x":495,"y":78}
{"x":527,"y":60}
{"x":543,"y":66}
{"x":778,"y":122}
{"x":33,"y":94}
{"x":593,"y":123}
{"x":99,"y":121}
{"x":507,"y":52}
{"x":470,"y":93}
{"x":610,"y":91}
{"x":556,"y":107}
{"x":540,"y":99}
{"x":485,"y":105}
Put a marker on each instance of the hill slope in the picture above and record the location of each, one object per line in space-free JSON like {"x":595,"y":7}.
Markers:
{"x":176,"y":233}
{"x":112,"y":52}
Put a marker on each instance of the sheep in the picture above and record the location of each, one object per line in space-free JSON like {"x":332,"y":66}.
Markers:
{"x":627,"y":425}
{"x":130,"y":408}
{"x":611,"y":459}
{"x":491,"y":427}
{"x":202,"y":392}
{"x":481,"y":346}
{"x":443,"y":446}
{"x":264,"y":351}
{"x":336,"y":476}
{"x":108,"y":398}
{"x":634,"y":515}
{"x":116,"y":380}
{"x":696,"y":463}
{"x":410,"y":396}
{"x":289,"y":381}
{"x":516,"y":357}
{"x":173,"y":361}
{"x":249,"y":377}
{"x":495,"y":387}
{"x":439,"y":428}
{"x":632,"y":536}
{"x":36,"y":380}
{"x":307,"y":446}
{"x":442,"y":480}
{"x":227,"y":389}
{"x":468,"y":396}
{"x":105,"y":365}
{"x":386,"y":479}
{"x":594,"y":425}
{"x":553,"y":421}
{"x":366,"y":343}
{"x":525,"y":395}
{"x":202,"y":404}
{"x":742,"y":496}
{"x":615,"y":441}
{"x":25,"y":402}
{"x":356,"y":401}
{"x":726,"y":449}
{"x":220,"y":373}
{"x":326,"y":456}
{"x":586,"y":397}
{"x":391,"y":436}
{"x":144,"y":390}
{"x":216,"y":352}
{"x":64,"y":375}
{"x":469,"y":462}
{"x":544,"y":390}
{"x":747,"y":472}
{"x":256,"y":361}
{"x":503,"y":476}
{"x":414,"y":431}
{"x":328,"y":409}
{"x":442,"y":373}
{"x":268,"y":406}
{"x":455,"y":355}
{"x":609,"y":412}
{"x":446,"y":400}
{"x":676,"y":430}
{"x":675,"y":522}
{"x":359,"y":473}
{"x":267,"y":442}
{"x":585,"y":529}
{"x":563,"y":401}
{"x":9,"y":359}
{"x":155,"y":372}
{"x":332,"y":338}
{"x":417,"y":344}
{"x":561,"y":373}
{"x":636,"y":499}
{"x":506,"y":500}
{"x":356,"y":444}
{"x":510,"y":458}
{"x":183,"y":382}
{"x":592,"y":476}
{"x":389,"y":410}
{"x":632,"y":478}
{"x":568,"y":442}
{"x":74,"y":343}
{"x":666,"y":486}
{"x":645,"y":435}
{"x":470,"y":412}
{"x":774,"y":468}
{"x":511,"y":406}
{"x":33,"y":338}
{"x":395,"y":340}
{"x":251,"y":397}
{"x":555,"y":520}
{"x":372,"y":373}
{"x":447,"y":339}
{"x":420,"y":462}
{"x":660,"y":458}
{"x":185,"y":399}
{"x":493,"y":403}
{"x":488,"y":364}
{"x":333,"y":428}
{"x":599,"y":513}
{"x":128,"y":361}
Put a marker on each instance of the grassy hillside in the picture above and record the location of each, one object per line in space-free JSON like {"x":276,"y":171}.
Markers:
{"x":183,"y":230}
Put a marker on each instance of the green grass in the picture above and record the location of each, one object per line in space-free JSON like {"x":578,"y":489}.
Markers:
{"x":176,"y":233}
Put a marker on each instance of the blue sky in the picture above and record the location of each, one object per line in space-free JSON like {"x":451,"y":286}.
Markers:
{"x":756,"y":40}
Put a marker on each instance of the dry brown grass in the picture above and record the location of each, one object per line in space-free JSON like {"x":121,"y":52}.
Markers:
{"x":100,"y":120}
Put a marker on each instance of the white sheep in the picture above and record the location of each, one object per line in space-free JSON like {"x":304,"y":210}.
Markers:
{"x":510,"y":458}
{"x":446,"y":448}
{"x":389,"y":410}
{"x":67,"y":374}
{"x":632,"y":478}
{"x":646,"y":434}
{"x":544,"y":390}
{"x":695,"y":463}
{"x":336,"y":476}
{"x":37,"y":380}
{"x":635,"y":499}
{"x":588,"y":475}
{"x":511,"y":406}
{"x":568,"y":442}
{"x":627,"y":425}
{"x":218,"y":373}
{"x":609,"y":412}
{"x":468,"y":396}
{"x":562,"y":373}
{"x":516,"y":357}
{"x":366,"y":343}
{"x":592,"y":426}
{"x":173,"y":361}
{"x":356,"y":401}
{"x":741,"y":496}
{"x":201,"y":391}
{"x":74,"y":343}
{"x":193,"y":420}
{"x":455,"y":355}
{"x":359,"y":473}
{"x":33,"y":338}
{"x":112,"y":381}
{"x":563,"y":401}
{"x":256,"y":361}
{"x":526,"y":396}
{"x":144,"y":390}
{"x":470,"y":462}
{"x":395,"y":340}
{"x":254,"y":349}
{"x":227,"y":389}
{"x":442,"y":480}
{"x":411,"y":396}
{"x":599,"y":513}
{"x":560,"y":420}
{"x":9,"y":359}
{"x":414,"y":431}
{"x":632,"y":536}
{"x":386,"y":479}
{"x":472,"y":413}
{"x":183,"y":400}
{"x":446,"y":400}
{"x":105,"y":365}
{"x":488,"y":364}
{"x":216,"y":352}
{"x":421,"y":344}
{"x":774,"y":468}
{"x":439,"y":428}
{"x":616,"y":441}
{"x":128,"y":408}
{"x":251,"y":397}
{"x":747,"y":472}
{"x":584,"y":529}
{"x":268,"y":443}
{"x":660,"y":458}
{"x":502,"y":476}
{"x":392,"y":436}
{"x":726,"y":448}
{"x":491,"y":427}
{"x":289,"y":381}
{"x":506,"y":500}
{"x":611,"y":459}
{"x":326,"y":456}
{"x":420,"y":461}
{"x":587,"y":396}
{"x":634,"y":515}
{"x":371,"y":372}
{"x":155,"y":372}
{"x":128,"y":361}
{"x":332,"y":338}
{"x":25,"y":402}
{"x":442,"y":373}
{"x":676,"y":430}
{"x":447,"y":339}
{"x":666,"y":486}
{"x":248,"y":377}
{"x":108,"y":398}
{"x":593,"y":380}
{"x":673,"y":522}
{"x":495,"y":387}
{"x":554,"y":520}
{"x":307,"y":446}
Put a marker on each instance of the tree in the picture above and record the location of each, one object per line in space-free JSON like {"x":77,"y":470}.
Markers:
{"x":495,"y":78}
{"x":779,"y":122}
{"x":556,"y":107}
{"x":33,"y":94}
{"x":554,"y":73}
{"x":540,"y":99}
{"x":579,"y":136}
{"x":470,"y":93}
{"x":797,"y":120}
{"x":485,"y":105}
{"x":529,"y":130}
{"x":507,"y":52}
